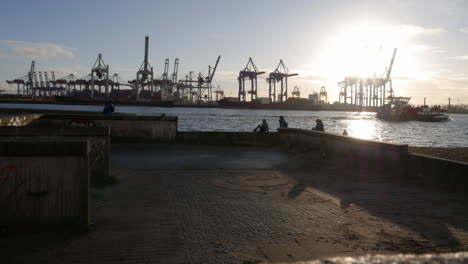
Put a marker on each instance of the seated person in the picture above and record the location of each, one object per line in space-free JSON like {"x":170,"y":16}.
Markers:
{"x":282,"y":122}
{"x":262,"y":128}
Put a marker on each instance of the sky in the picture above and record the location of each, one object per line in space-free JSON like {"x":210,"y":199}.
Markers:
{"x":323,"y":41}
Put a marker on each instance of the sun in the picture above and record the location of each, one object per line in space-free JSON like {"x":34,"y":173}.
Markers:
{"x":364,"y":50}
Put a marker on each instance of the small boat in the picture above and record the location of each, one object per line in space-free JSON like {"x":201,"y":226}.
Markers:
{"x":399,"y":109}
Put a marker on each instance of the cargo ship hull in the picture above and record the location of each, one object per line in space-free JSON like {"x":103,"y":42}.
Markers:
{"x":117,"y":101}
{"x":226,"y":104}
{"x":413,"y":114}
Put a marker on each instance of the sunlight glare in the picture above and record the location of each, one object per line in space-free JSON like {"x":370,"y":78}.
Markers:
{"x":365,"y":50}
{"x":364,"y":129}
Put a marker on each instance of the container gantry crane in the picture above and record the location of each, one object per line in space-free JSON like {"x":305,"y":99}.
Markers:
{"x":280,"y":74}
{"x":323,"y":95}
{"x":100,"y":76}
{"x":145,"y":75}
{"x":251,"y":72}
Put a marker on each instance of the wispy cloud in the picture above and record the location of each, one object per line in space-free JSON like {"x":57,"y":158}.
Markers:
{"x":464,"y":30}
{"x":462,"y":57}
{"x":35,"y":50}
{"x":409,"y":31}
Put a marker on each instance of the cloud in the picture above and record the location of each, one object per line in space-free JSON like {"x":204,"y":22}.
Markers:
{"x":312,"y":77}
{"x":35,"y":50}
{"x":409,"y":31}
{"x":464,"y":30}
{"x":461,"y":58}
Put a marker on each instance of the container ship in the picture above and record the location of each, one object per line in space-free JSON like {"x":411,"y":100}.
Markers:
{"x":399,"y":109}
{"x":119,"y":97}
{"x":264,"y":103}
{"x":292,"y":103}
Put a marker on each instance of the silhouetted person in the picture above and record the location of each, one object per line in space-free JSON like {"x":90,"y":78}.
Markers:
{"x":345,"y":133}
{"x":262,"y":128}
{"x":319,"y":126}
{"x":108,"y":108}
{"x":282,"y":122}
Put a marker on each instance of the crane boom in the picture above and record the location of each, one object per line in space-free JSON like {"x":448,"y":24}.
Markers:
{"x":176,"y":70}
{"x":31,"y":74}
{"x":166,"y":69}
{"x":214,"y":69}
{"x":391,"y":65}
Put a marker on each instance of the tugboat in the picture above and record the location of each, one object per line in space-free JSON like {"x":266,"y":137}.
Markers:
{"x":399,"y":109}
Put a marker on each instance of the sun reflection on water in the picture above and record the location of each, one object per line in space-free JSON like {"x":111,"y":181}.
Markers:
{"x":364,"y":129}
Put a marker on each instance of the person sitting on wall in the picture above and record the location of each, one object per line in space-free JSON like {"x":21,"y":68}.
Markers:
{"x":262,"y":128}
{"x":319,"y":126}
{"x":108,"y":108}
{"x":345,"y":133}
{"x":282,"y":122}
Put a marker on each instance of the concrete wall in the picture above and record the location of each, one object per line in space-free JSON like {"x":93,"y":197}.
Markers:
{"x":227,"y":138}
{"x":338,"y":145}
{"x":99,"y":138}
{"x":18,"y":120}
{"x":122,"y":127}
{"x":440,"y":172}
{"x":44,"y":182}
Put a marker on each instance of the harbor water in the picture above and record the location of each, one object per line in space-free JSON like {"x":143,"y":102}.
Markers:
{"x":452,"y":133}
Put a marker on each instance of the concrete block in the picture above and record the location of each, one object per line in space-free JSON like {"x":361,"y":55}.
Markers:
{"x":98,"y":136}
{"x":46,"y":184}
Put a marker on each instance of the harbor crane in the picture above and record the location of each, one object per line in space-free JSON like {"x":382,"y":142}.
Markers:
{"x":203,"y":84}
{"x":388,"y":78}
{"x":370,"y":91}
{"x":323,"y":95}
{"x":145,"y":75}
{"x":166,"y":69}
{"x":24,"y":84}
{"x":100,"y":76}
{"x":296,"y":93}
{"x":280,"y":74}
{"x":176,"y":71}
{"x":219,"y":93}
{"x":251,"y":72}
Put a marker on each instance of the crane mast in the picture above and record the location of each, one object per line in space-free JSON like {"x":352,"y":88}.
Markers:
{"x":391,"y":65}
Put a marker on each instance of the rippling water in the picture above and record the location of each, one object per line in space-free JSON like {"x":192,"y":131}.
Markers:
{"x":452,"y":133}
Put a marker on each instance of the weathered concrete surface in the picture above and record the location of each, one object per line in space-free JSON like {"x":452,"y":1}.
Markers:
{"x":123,"y":127}
{"x":448,"y":258}
{"x":445,"y":173}
{"x":99,"y":138}
{"x":44,"y":182}
{"x":227,"y":138}
{"x":334,"y":144}
{"x":218,"y":204}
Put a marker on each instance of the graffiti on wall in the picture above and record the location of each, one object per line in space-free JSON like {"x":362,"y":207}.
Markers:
{"x":10,"y":176}
{"x":14,"y":186}
{"x":81,"y":123}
